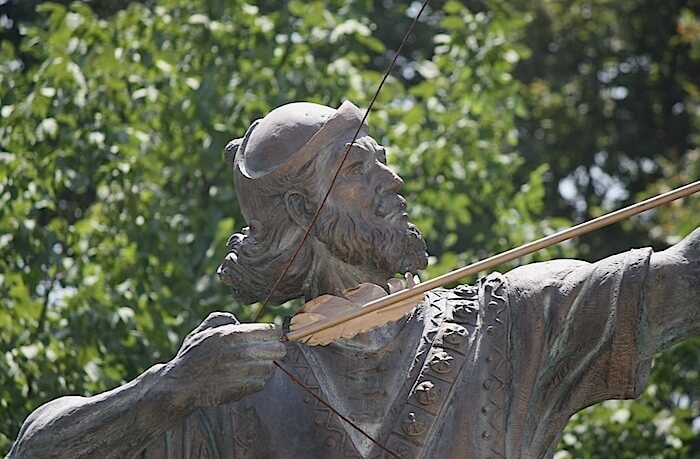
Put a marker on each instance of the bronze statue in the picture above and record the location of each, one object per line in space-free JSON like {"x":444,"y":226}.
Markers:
{"x":491,"y":370}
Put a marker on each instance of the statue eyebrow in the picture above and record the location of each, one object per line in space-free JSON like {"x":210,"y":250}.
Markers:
{"x":358,"y":145}
{"x":367,"y":153}
{"x":378,"y":153}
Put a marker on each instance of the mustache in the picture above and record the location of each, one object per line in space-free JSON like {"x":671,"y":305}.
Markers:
{"x":391,"y":205}
{"x":392,"y":243}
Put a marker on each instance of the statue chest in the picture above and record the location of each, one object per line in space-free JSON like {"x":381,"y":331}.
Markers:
{"x":443,"y":393}
{"x":438,"y":392}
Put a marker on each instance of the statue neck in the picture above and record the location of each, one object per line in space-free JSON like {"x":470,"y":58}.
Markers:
{"x":330,"y":275}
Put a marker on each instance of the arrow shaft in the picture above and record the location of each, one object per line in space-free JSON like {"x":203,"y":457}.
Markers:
{"x":500,"y":258}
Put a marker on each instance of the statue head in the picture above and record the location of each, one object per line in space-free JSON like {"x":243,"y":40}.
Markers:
{"x":283,"y":167}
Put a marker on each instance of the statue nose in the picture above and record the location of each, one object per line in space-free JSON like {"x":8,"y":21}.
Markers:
{"x":389,"y":181}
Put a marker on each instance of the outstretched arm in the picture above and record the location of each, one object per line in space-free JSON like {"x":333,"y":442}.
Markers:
{"x":219,"y":362}
{"x":588,"y":332}
{"x":672,"y":296}
{"x":116,"y":423}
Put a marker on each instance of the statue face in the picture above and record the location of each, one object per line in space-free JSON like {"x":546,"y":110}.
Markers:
{"x":363,"y":224}
{"x":364,"y":221}
{"x":366,"y":186}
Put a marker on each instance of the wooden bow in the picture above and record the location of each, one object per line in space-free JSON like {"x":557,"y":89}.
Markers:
{"x":328,"y":317}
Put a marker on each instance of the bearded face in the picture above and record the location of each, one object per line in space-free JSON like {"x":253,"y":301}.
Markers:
{"x":363,"y":240}
{"x":364,"y":222}
{"x":281,"y":167}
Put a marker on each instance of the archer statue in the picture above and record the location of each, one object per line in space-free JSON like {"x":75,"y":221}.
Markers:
{"x":490,"y":370}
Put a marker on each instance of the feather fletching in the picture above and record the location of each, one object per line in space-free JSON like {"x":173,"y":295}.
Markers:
{"x":328,"y":307}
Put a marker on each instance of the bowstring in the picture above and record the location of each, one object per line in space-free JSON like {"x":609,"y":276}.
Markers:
{"x":340,"y":166}
{"x":296,"y":380}
{"x":265,"y":303}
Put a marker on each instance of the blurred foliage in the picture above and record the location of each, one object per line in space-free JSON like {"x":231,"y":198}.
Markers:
{"x":612,"y":94}
{"x":507,"y":121}
{"x":612,"y":108}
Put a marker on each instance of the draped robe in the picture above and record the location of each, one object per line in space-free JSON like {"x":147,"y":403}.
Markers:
{"x":491,"y":370}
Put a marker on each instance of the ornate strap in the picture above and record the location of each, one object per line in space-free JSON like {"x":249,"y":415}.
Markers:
{"x":433,"y":388}
{"x":466,"y":323}
{"x":495,"y":343}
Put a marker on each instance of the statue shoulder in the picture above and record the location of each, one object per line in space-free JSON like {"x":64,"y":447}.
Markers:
{"x":545,"y":271}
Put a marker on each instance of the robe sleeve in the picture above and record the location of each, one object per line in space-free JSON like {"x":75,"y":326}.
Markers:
{"x":574,"y":334}
{"x":225,"y":431}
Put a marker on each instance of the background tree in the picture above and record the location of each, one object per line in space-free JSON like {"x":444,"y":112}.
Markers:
{"x":611,"y":89}
{"x":506,"y":120}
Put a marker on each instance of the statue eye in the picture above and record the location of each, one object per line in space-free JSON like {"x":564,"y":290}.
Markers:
{"x":357,"y":168}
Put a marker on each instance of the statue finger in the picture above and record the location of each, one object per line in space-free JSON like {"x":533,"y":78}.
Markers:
{"x":241,"y":391}
{"x":214,"y":319}
{"x":250,"y":333}
{"x":253,"y":352}
{"x":259,"y":371}
{"x":237,"y":375}
{"x":217,"y":319}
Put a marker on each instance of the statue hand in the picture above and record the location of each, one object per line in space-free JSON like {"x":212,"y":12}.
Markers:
{"x":222,"y":360}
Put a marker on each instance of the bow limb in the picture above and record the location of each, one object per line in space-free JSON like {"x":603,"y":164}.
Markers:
{"x":342,"y":162}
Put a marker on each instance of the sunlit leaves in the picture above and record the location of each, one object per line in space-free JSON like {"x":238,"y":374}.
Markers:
{"x":116,"y":204}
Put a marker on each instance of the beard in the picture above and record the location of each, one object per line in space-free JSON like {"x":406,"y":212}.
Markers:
{"x":385,"y":241}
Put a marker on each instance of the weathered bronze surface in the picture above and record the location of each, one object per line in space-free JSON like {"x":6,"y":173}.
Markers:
{"x":491,"y":370}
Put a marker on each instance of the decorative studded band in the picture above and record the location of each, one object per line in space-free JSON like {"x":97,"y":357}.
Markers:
{"x":465,"y":323}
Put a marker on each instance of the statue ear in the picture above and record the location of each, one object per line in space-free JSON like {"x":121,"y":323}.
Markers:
{"x":298,"y":208}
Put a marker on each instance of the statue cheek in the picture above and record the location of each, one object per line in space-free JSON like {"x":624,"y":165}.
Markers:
{"x":353,"y":195}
